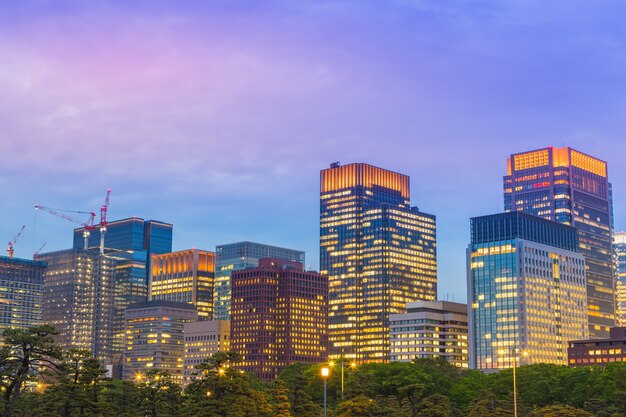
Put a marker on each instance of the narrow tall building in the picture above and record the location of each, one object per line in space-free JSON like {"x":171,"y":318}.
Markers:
{"x":279,"y":317}
{"x":21,"y":291}
{"x":78,"y":299}
{"x":570,"y":187}
{"x":526,"y":290}
{"x":619,"y":241}
{"x":241,"y":255}
{"x":186,"y":277}
{"x":379,"y":254}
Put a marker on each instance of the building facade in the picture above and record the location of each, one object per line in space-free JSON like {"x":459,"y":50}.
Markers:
{"x":155,"y":338}
{"x":241,"y":255}
{"x":21,"y":293}
{"x":185,"y":276}
{"x":203,"y":339}
{"x":131,"y":242}
{"x":619,"y":242}
{"x":78,"y":299}
{"x":279,"y":317}
{"x":570,"y":187}
{"x":430,"y":329}
{"x":379,"y":254}
{"x":526,"y":290}
{"x":598,"y":351}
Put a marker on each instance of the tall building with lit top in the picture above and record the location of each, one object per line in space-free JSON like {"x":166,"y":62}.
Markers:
{"x":570,"y":187}
{"x":279,"y":316}
{"x":379,"y":254}
{"x":619,"y":241}
{"x":526,"y":290}
{"x":186,"y":277}
{"x":241,"y":255}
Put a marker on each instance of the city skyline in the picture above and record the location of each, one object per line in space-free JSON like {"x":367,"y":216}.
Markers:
{"x":75,"y":124}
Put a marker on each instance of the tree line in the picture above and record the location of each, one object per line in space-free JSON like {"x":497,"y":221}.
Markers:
{"x":38,"y":379}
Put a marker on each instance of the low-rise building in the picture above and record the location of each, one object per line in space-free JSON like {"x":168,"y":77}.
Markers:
{"x":598,"y":351}
{"x":203,"y":339}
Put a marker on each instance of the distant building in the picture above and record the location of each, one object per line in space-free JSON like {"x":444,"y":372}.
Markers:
{"x":241,"y":255}
{"x":279,"y":317}
{"x":379,"y":254}
{"x":21,"y":291}
{"x":619,"y":242}
{"x":598,"y":351}
{"x":78,"y":299}
{"x":203,"y":339}
{"x":570,"y":187}
{"x":185,"y":276}
{"x":132,"y":242}
{"x":430,"y":329}
{"x":154,"y":337}
{"x":526,"y":289}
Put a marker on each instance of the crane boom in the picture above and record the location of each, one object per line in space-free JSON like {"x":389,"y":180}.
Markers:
{"x":36,"y":254}
{"x":87,"y":226}
{"x":13,"y":241}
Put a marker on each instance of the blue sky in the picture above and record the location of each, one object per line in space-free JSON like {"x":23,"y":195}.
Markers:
{"x":218,"y":115}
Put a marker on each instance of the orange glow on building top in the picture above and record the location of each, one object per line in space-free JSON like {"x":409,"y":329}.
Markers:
{"x":561,"y":157}
{"x":351,"y":175}
{"x":182,"y":262}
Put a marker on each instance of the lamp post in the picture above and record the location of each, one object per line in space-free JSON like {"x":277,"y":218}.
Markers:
{"x":524,"y":354}
{"x":325,"y":375}
{"x":342,"y":362}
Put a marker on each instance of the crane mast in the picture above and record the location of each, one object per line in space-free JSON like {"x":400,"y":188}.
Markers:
{"x":13,"y":241}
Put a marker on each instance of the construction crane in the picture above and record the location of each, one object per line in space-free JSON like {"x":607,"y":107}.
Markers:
{"x":36,"y":254}
{"x":88,"y":226}
{"x":14,"y":241}
{"x":103,"y":219}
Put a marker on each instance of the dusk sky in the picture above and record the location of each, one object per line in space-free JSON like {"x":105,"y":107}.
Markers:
{"x":217,"y":116}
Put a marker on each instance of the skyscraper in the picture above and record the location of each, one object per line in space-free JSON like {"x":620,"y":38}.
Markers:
{"x":619,"y":241}
{"x":570,"y":187}
{"x":526,"y":290}
{"x":78,"y":299}
{"x":235,"y":256}
{"x":379,"y":254}
{"x":132,"y":242}
{"x":279,"y":317}
{"x":186,"y":277}
{"x":21,"y":291}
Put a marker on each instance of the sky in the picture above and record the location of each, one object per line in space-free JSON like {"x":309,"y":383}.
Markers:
{"x":217,"y":116}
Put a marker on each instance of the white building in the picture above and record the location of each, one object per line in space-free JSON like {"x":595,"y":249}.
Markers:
{"x":202,"y":339}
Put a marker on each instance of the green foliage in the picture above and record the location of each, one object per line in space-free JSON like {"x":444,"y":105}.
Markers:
{"x":560,"y":411}
{"x":360,"y":406}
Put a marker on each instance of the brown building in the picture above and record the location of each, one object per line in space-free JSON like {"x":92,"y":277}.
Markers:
{"x":279,"y":316}
{"x":598,"y":351}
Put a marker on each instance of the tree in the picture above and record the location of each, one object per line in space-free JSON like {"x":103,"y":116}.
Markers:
{"x":158,"y":394}
{"x":282,"y":408}
{"x":413,"y":394}
{"x":560,"y":411}
{"x":436,"y":405}
{"x":302,"y":405}
{"x":489,"y":406}
{"x":360,"y":406}
{"x":24,"y":354}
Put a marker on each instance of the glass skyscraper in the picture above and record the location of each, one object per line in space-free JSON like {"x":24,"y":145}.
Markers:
{"x":379,"y":254}
{"x":21,"y":290}
{"x":526,"y":291}
{"x":570,"y":187}
{"x":241,"y":255}
{"x":619,"y":241}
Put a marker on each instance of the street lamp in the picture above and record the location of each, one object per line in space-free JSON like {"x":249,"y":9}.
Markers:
{"x":342,"y":361}
{"x":325,"y":375}
{"x":524,"y":354}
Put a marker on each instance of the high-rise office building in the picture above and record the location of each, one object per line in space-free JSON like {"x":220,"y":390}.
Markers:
{"x":379,"y":254}
{"x":430,"y":329}
{"x":155,"y":338}
{"x":132,"y":242}
{"x":186,"y":277}
{"x":619,"y":242}
{"x":240,"y":255}
{"x":570,"y":187}
{"x":21,"y":291}
{"x":279,"y":317}
{"x":203,"y":339}
{"x":526,"y":290}
{"x":78,"y":299}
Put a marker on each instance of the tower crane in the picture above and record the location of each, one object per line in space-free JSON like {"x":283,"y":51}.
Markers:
{"x":36,"y":254}
{"x":14,"y":241}
{"x":103,"y":219}
{"x":88,"y":226}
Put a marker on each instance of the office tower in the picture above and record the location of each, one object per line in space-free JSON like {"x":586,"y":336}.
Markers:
{"x":598,"y":352}
{"x":619,"y":242}
{"x":430,"y":329}
{"x":279,"y":317}
{"x":155,"y":338}
{"x":21,"y":291}
{"x":78,"y":299}
{"x":570,"y":187}
{"x":186,"y":277}
{"x":132,"y":242}
{"x":379,"y":254}
{"x":235,"y":256}
{"x":203,"y":339}
{"x":526,"y":289}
